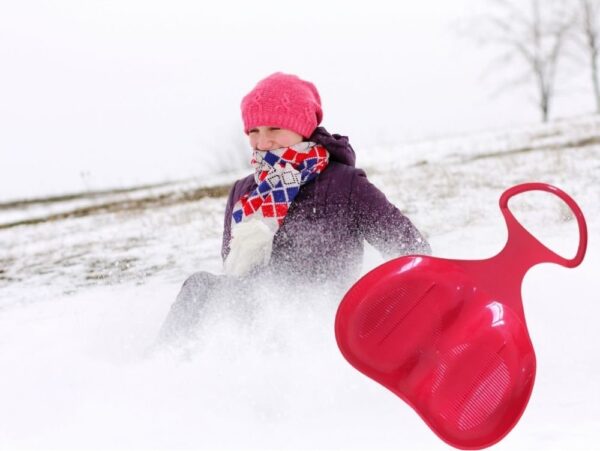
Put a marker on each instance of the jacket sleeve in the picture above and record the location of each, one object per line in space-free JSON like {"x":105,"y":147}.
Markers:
{"x":382,"y":224}
{"x":227,"y":222}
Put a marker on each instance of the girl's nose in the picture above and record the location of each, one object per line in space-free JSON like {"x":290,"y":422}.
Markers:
{"x":264,"y":143}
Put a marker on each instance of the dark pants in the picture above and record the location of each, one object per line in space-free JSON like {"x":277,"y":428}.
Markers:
{"x":197,"y":293}
{"x":203,"y":293}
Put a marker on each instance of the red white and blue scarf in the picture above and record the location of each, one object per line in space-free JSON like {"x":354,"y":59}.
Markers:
{"x":279,"y":175}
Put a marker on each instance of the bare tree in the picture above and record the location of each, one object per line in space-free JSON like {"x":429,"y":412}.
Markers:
{"x":589,"y":31}
{"x":530,"y":38}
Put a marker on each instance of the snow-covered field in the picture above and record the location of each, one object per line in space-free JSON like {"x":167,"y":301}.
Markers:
{"x":82,"y":296}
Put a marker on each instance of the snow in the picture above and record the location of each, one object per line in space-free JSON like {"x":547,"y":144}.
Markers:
{"x":82,"y":299}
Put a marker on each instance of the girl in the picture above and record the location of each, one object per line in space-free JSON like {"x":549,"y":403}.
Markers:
{"x":301,"y":218}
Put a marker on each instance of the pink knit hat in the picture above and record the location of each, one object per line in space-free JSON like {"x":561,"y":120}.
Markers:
{"x":283,"y":100}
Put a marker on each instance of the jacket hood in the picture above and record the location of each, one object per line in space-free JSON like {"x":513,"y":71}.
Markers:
{"x":338,"y":146}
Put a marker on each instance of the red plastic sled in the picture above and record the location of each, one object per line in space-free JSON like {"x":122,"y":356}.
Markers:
{"x":449,"y":336}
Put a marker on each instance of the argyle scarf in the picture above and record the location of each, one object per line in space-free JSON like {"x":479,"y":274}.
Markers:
{"x":279,"y":175}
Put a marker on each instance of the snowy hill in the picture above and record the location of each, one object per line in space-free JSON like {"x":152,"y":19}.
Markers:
{"x":86,"y":280}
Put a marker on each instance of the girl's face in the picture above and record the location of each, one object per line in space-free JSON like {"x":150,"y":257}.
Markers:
{"x":270,"y":138}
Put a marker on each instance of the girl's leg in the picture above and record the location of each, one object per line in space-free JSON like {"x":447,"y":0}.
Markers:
{"x":186,"y":311}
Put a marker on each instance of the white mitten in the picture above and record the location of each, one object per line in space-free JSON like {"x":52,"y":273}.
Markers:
{"x":250,"y":246}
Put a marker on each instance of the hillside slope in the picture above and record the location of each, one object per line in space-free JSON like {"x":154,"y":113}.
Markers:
{"x":86,"y":280}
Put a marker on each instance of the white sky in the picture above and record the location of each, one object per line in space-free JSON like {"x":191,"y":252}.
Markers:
{"x":138,"y":91}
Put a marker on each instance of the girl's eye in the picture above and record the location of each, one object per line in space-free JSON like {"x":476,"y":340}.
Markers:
{"x":275,"y":128}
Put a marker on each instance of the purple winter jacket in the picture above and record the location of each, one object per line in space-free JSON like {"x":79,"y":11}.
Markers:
{"x":322,"y":234}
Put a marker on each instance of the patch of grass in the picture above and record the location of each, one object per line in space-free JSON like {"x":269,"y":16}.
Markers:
{"x":128,"y":205}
